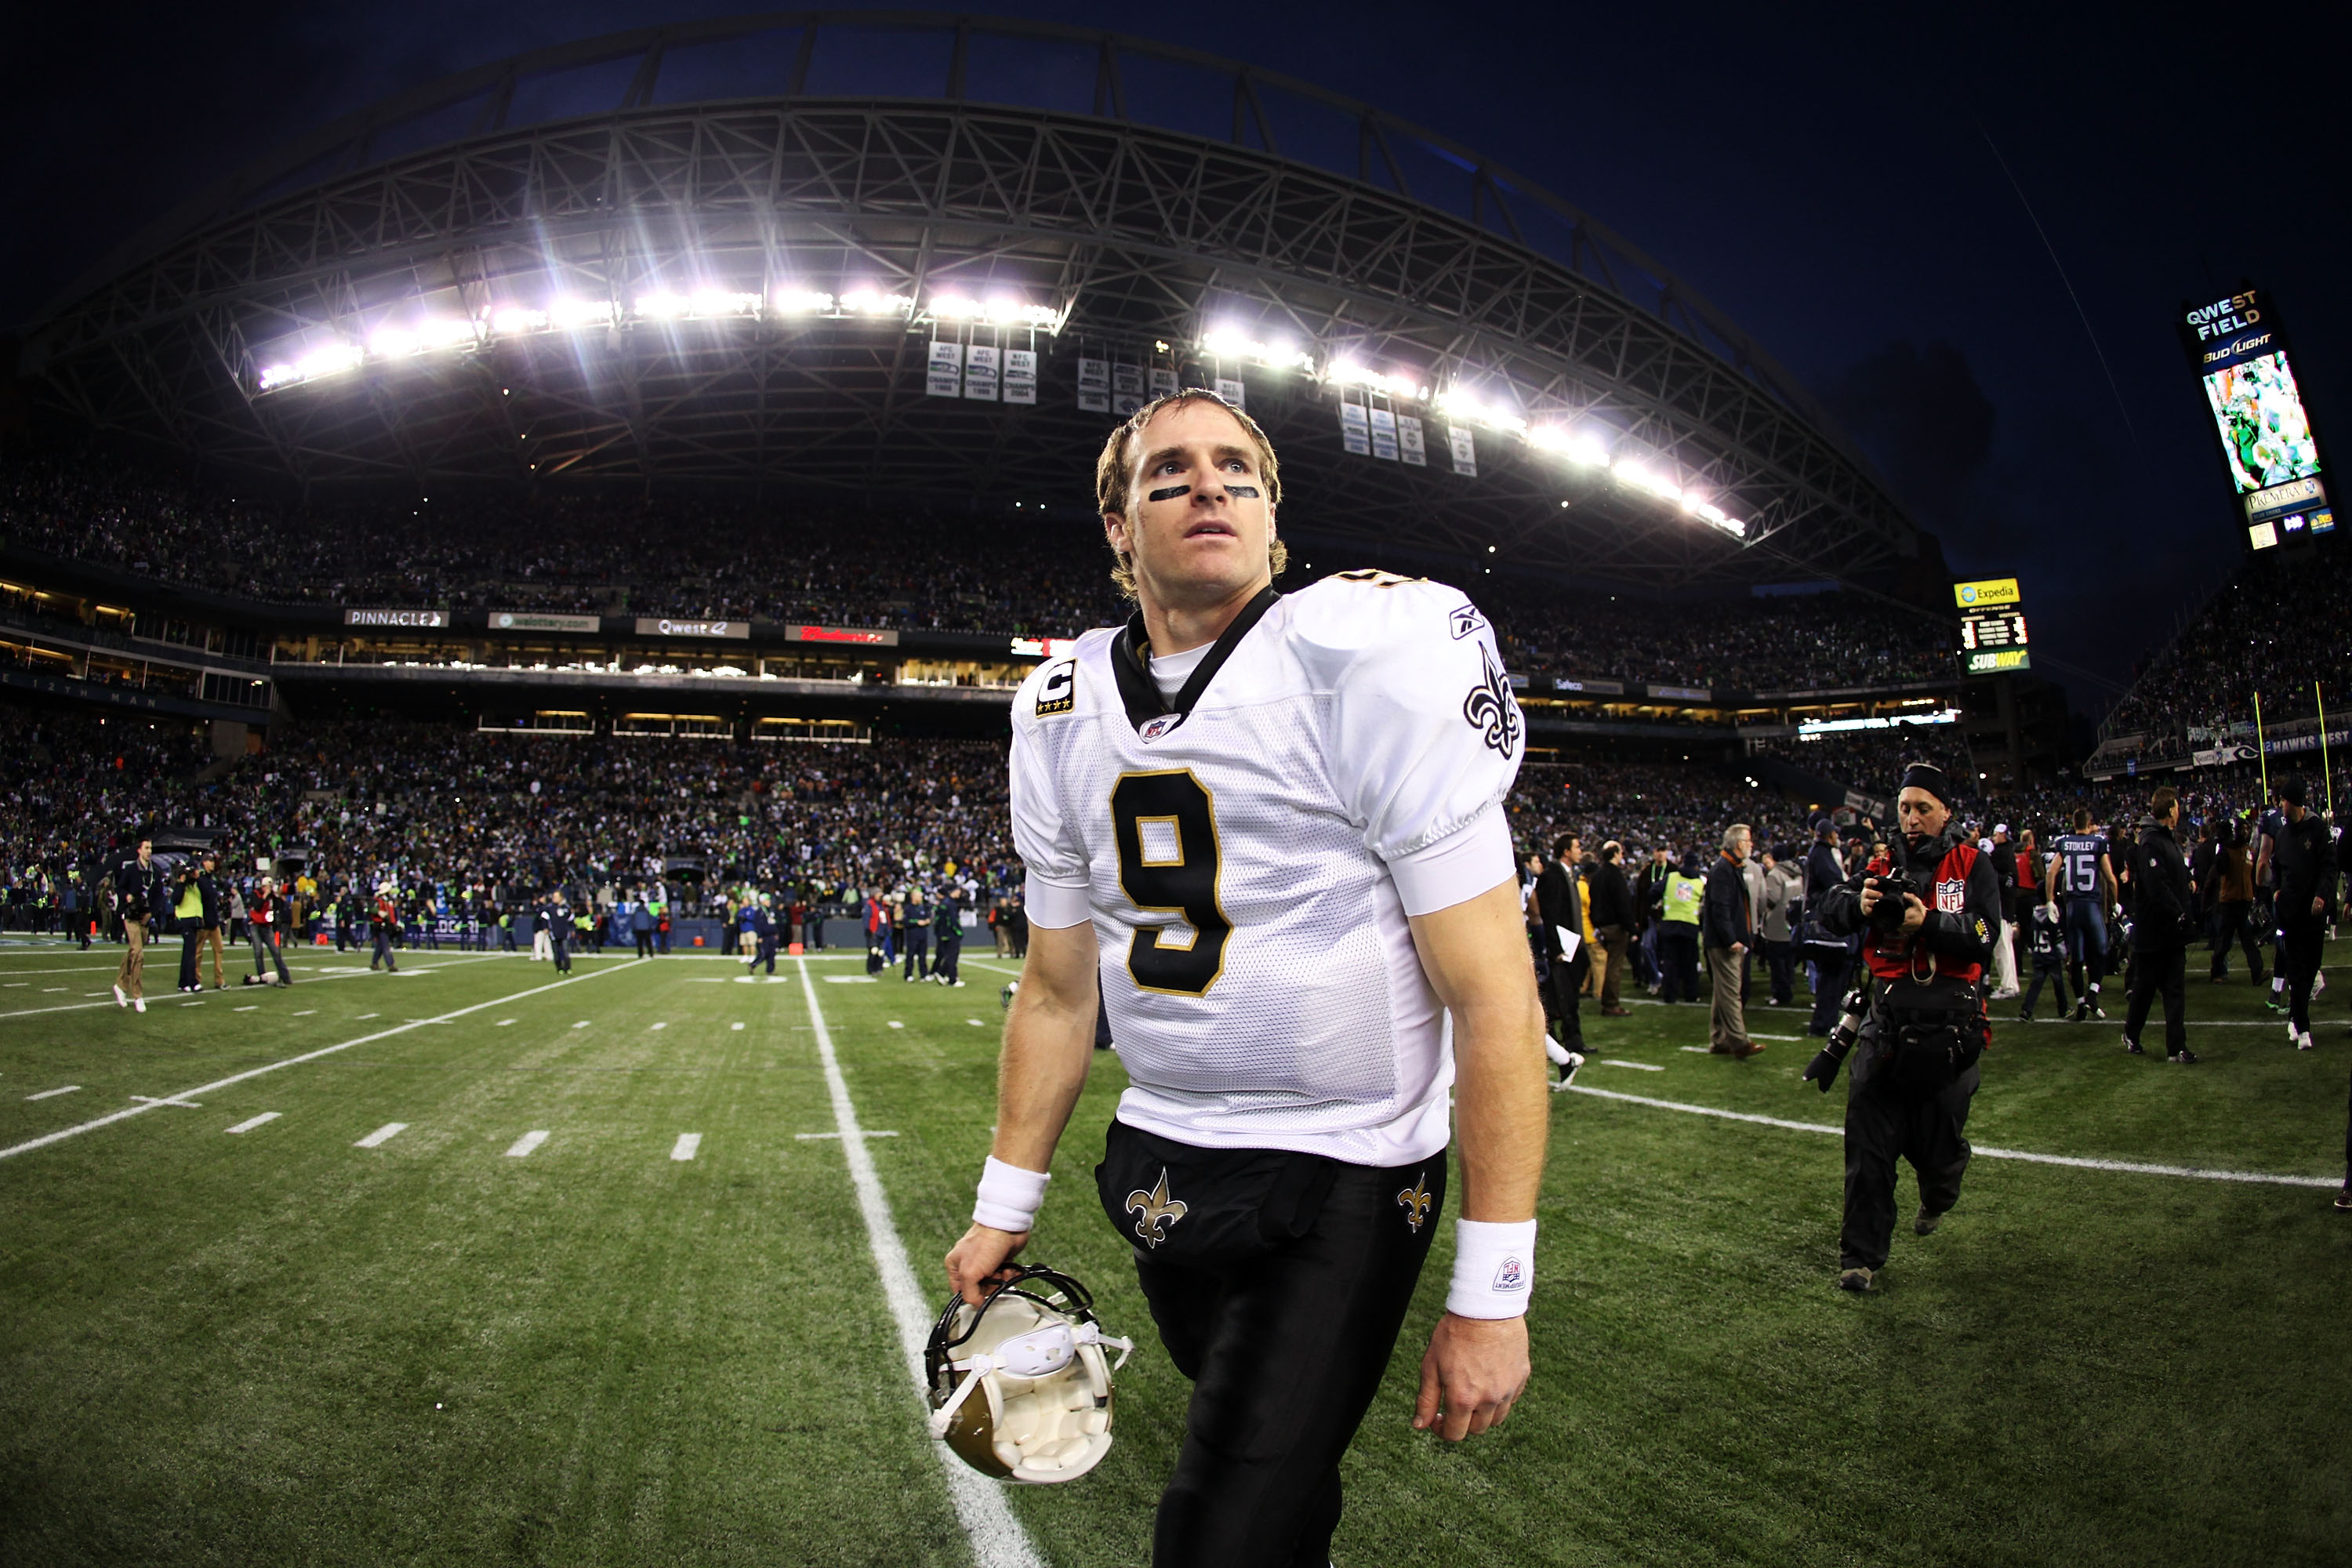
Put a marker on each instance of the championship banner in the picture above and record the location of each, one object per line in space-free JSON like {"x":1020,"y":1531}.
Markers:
{"x":1020,"y":375}
{"x":536,"y":621}
{"x":395,"y":617}
{"x":944,"y":377}
{"x":652,"y":627}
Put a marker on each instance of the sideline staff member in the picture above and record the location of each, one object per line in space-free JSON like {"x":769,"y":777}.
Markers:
{"x":1273,"y":827}
{"x":1915,"y":1070}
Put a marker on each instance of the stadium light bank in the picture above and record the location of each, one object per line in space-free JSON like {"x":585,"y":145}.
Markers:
{"x":392,"y":343}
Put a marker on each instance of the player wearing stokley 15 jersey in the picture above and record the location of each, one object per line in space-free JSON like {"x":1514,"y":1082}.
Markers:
{"x":1273,"y":827}
{"x":2083,"y":876}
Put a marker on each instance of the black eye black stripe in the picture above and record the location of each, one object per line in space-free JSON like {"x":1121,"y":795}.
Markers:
{"x":1241,"y":493}
{"x":1171,"y":493}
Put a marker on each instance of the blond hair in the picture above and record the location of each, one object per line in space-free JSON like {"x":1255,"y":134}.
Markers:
{"x":1114,"y":476}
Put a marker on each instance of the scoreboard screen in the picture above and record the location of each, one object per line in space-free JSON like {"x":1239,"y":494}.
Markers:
{"x":1992,"y":641}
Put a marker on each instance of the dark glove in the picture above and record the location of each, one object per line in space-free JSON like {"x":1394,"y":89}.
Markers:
{"x":1824,"y":1070}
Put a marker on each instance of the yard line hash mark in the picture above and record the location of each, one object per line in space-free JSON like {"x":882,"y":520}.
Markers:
{"x":997,"y":1537}
{"x":866,"y":1132}
{"x":526,"y":1143}
{"x":687,"y":1145}
{"x":53,"y":1093}
{"x":61,"y":1134}
{"x":382,"y":1135}
{"x":1638,"y":1067}
{"x":2127,"y":1167}
{"x":251,"y":1123}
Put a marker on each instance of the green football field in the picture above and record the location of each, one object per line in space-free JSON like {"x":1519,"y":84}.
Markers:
{"x":473,"y":1265}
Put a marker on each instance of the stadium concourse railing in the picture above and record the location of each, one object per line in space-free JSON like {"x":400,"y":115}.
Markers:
{"x":309,"y":644}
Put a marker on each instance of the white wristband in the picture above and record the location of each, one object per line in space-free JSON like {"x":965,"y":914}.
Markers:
{"x":1009,"y":1197}
{"x":1493,"y":1268}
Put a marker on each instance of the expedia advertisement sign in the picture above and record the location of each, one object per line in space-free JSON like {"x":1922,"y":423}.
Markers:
{"x":1985,"y":593}
{"x":652,"y":627}
{"x":539,"y":621}
{"x":395,"y":617}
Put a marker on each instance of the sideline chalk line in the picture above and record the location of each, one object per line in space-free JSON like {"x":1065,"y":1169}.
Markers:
{"x":2078,"y":1163}
{"x":997,"y":1539}
{"x":63,"y":1134}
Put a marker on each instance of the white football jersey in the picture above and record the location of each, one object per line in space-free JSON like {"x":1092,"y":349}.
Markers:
{"x":1248,"y":866}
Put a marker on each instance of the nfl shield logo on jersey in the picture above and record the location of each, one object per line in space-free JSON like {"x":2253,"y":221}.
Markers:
{"x":1155,"y":728}
{"x":1951,"y":897}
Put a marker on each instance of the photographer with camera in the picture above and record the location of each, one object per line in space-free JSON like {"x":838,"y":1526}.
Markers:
{"x":139,"y":894}
{"x":1927,"y":926}
{"x":2163,"y":920}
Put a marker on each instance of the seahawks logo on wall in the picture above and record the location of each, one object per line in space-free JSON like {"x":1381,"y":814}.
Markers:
{"x":1491,"y":707}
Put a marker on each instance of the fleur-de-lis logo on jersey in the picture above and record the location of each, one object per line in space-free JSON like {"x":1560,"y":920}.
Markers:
{"x":1416,"y":1199}
{"x":1491,"y":707}
{"x":1155,"y":1209}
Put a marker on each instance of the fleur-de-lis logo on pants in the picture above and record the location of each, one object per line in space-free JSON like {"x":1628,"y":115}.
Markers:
{"x":1416,"y":1199}
{"x":1155,"y":1209}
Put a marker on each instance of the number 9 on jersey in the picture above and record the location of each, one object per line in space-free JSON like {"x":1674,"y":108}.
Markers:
{"x":1166,"y":825}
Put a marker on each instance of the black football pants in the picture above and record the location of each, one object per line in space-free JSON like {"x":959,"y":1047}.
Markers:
{"x":1283,"y":1309}
{"x":2154,"y":973}
{"x":1566,"y":981}
{"x":2300,"y":940}
{"x":1884,"y":1121}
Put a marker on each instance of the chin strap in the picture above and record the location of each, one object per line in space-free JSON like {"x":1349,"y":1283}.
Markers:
{"x":1041,"y":1352}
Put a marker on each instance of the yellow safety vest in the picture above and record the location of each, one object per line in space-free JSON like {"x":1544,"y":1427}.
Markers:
{"x":192,"y":902}
{"x":1683,"y":896}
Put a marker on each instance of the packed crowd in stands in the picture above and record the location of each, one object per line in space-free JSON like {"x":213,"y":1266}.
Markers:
{"x":784,"y":563}
{"x":425,"y":806}
{"x":2285,"y":622}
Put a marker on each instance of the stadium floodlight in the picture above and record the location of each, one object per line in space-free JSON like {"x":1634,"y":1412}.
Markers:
{"x":1230,"y":343}
{"x":330,"y":360}
{"x":1460,"y":405}
{"x":802,"y":301}
{"x":1349,"y":372}
{"x":661,"y":307}
{"x":874,"y":302}
{"x":1630,"y":472}
{"x":954,"y":306}
{"x":1576,"y":445}
{"x":723,"y":302}
{"x":515,"y":320}
{"x":581,"y":312}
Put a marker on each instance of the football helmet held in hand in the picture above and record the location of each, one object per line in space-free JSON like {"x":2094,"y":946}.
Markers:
{"x":1020,"y":1385}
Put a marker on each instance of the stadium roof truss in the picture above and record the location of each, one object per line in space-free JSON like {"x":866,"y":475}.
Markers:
{"x":757,"y":251}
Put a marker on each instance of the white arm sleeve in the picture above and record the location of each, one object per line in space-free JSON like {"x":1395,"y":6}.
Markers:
{"x":1056,"y":890}
{"x":1424,"y":736}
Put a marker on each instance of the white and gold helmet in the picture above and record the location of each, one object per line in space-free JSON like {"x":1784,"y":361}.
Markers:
{"x":1020,"y":1385}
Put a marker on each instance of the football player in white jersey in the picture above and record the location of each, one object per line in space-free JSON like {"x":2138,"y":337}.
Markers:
{"x":1272,"y":827}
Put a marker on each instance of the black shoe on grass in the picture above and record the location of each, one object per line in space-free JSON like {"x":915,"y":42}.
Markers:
{"x":2184,"y":1057}
{"x":2131,"y":1047}
{"x":1923,"y":1223}
{"x":1854,"y":1279}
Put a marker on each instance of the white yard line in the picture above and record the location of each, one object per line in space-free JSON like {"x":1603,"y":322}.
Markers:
{"x":53,"y":1093}
{"x":261,"y":1121}
{"x":523,"y":1145}
{"x":382,"y":1135}
{"x":865,"y":1132}
{"x":1637,"y":1067}
{"x":64,"y":1133}
{"x":997,"y":1539}
{"x":2128,"y":1167}
{"x":689,"y":1145}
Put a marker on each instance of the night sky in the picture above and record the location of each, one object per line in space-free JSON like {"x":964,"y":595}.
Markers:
{"x":1836,"y":186}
